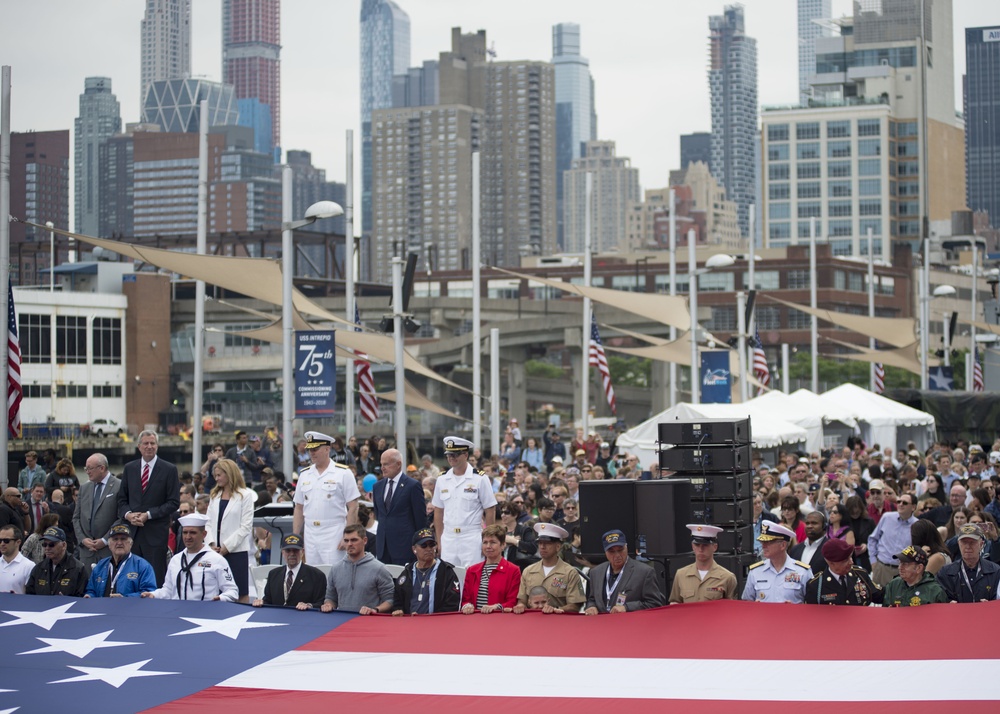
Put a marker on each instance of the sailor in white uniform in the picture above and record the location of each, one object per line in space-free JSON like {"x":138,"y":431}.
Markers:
{"x":463,"y":503}
{"x":198,"y":572}
{"x":326,"y":501}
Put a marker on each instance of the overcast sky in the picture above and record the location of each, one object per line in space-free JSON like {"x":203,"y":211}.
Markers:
{"x":649,"y":60}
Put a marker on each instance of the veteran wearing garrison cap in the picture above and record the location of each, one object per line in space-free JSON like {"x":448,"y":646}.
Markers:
{"x":326,"y":501}
{"x":622,"y":584}
{"x":561,"y":581}
{"x":777,"y":578}
{"x":842,"y":582}
{"x":704,"y":579}
{"x":463,"y":503}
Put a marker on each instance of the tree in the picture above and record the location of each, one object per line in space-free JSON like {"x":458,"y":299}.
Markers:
{"x":630,"y":371}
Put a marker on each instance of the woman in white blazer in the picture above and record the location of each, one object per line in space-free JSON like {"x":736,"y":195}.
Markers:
{"x":230,"y":521}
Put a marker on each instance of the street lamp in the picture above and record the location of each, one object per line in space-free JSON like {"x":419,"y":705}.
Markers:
{"x":315,"y":212}
{"x":925,"y":312}
{"x":720,"y":260}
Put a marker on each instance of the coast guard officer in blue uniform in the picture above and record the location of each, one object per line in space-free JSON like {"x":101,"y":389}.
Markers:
{"x":777,"y":578}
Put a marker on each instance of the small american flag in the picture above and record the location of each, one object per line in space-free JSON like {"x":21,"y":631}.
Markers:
{"x":599,"y":359}
{"x":879,"y":378}
{"x":366,"y":383}
{"x":760,"y":369}
{"x":14,"y":390}
{"x":977,"y":372}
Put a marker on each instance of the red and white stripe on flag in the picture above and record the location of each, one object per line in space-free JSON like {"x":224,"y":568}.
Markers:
{"x":978,"y":383}
{"x":699,"y":657}
{"x":15,"y":391}
{"x":879,"y":378}
{"x":600,"y":360}
{"x":366,"y":387}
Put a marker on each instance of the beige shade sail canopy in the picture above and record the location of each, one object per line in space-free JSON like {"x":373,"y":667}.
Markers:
{"x":896,"y":331}
{"x":258,"y":278}
{"x":415,"y":399}
{"x":906,"y":357}
{"x":664,"y":309}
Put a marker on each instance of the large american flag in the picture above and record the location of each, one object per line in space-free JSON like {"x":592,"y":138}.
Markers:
{"x":879,"y":378}
{"x":127,"y":654}
{"x":600,"y":360}
{"x":14,"y":390}
{"x":977,"y":372}
{"x":760,"y":369}
{"x":366,"y":383}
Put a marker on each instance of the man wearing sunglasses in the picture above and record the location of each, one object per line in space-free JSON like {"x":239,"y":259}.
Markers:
{"x":428,"y":585}
{"x":463,"y":503}
{"x":14,"y":567}
{"x":59,"y":573}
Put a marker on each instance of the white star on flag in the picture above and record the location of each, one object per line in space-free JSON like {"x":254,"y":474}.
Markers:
{"x":45,"y":619}
{"x":230,"y":627}
{"x":8,"y":711}
{"x":115,"y":676}
{"x":78,"y":648}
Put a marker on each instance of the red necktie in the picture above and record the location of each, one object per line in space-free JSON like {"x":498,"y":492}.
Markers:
{"x":145,"y":476}
{"x":38,"y":513}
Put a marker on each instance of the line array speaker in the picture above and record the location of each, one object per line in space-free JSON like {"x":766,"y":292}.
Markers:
{"x":706,"y":431}
{"x":706,"y":458}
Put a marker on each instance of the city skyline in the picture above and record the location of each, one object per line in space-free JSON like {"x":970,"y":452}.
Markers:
{"x":667,"y":49}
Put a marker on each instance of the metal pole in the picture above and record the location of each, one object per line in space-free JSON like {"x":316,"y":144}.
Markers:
{"x":349,"y":396}
{"x":751,"y":280}
{"x":5,"y":218}
{"x":871,"y":305}
{"x":972,"y":323}
{"x":673,"y":288}
{"x":693,"y":305}
{"x":397,"y":323}
{"x":924,"y":313}
{"x":199,"y":288}
{"x":52,"y":258}
{"x":495,"y":390}
{"x":585,"y":332}
{"x":946,"y":325}
{"x":287,"y":326}
{"x":786,"y":377}
{"x":814,"y":323}
{"x":477,"y":333}
{"x":741,"y":322}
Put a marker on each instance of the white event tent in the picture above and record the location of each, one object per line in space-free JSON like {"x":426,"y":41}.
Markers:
{"x":882,"y":421}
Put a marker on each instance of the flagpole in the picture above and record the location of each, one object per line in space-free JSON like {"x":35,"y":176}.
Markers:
{"x":199,"y":287}
{"x":495,"y":390}
{"x":477,"y":328}
{"x":5,"y":225}
{"x":349,"y":400}
{"x":972,"y":323}
{"x":585,"y":332}
{"x":814,"y":321}
{"x":871,"y":305}
{"x":673,"y":288}
{"x":751,"y":324}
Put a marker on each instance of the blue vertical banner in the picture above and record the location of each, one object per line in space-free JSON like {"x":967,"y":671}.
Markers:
{"x":315,"y":373}
{"x":716,"y":379}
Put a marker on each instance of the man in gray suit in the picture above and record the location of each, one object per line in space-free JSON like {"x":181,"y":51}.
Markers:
{"x":96,"y":510}
{"x":621,"y":584}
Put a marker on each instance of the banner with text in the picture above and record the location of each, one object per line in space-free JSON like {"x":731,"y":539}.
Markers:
{"x":716,"y":380}
{"x":315,"y":373}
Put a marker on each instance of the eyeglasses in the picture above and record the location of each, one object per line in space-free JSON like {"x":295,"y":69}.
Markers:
{"x":432,"y":544}
{"x":875,"y":490}
{"x":547,"y":508}
{"x":48,"y":544}
{"x":6,"y":540}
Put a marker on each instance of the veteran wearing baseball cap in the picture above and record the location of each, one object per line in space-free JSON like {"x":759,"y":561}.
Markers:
{"x":326,"y":501}
{"x":777,"y":578}
{"x":295,"y":584}
{"x":704,"y":579}
{"x":122,"y":574}
{"x":914,"y":585}
{"x":428,"y":584}
{"x":561,"y":581}
{"x":972,"y":578}
{"x":463,"y":503}
{"x":622,"y":584}
{"x":59,"y":573}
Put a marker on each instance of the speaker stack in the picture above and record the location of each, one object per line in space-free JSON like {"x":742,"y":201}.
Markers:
{"x":713,"y":456}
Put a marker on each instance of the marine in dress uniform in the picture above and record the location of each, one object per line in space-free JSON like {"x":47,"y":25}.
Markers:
{"x":326,"y":501}
{"x":842,"y":582}
{"x":778,"y":578}
{"x":463,"y":500}
{"x":561,"y":580}
{"x":197,"y":572}
{"x":704,"y":579}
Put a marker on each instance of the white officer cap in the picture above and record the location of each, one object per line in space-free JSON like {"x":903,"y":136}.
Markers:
{"x":703,"y":533}
{"x":550,"y":531}
{"x":315,"y":439}
{"x":456,"y":444}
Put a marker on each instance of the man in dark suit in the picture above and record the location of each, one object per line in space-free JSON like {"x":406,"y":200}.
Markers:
{"x":150,"y":492}
{"x":622,"y":584}
{"x":96,"y":510}
{"x":296,"y":585}
{"x":810,"y":551}
{"x":400,"y":510}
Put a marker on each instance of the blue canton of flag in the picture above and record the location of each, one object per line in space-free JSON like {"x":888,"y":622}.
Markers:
{"x":941,"y":379}
{"x":131,"y":654}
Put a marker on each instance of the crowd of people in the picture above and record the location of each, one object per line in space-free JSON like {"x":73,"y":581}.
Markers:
{"x":499,"y":533}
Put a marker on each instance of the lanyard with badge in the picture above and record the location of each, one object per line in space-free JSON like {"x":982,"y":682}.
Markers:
{"x":118,"y":573}
{"x":609,"y":587}
{"x":968,"y":583}
{"x":427,"y":584}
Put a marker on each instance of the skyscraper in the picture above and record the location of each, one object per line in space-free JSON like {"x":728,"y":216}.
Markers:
{"x":385,"y":52}
{"x":251,"y":48}
{"x":614,"y":184}
{"x":696,"y":147}
{"x":809,"y":30}
{"x":576,"y":116}
{"x":175,"y":104}
{"x":982,"y":120}
{"x":166,"y":42}
{"x":100,"y":119}
{"x":732,"y":80}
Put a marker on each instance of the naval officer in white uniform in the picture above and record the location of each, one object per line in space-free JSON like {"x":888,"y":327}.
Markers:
{"x":463,"y":502}
{"x":326,"y":501}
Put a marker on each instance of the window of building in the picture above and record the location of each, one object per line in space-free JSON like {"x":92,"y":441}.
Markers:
{"x":768,"y":317}
{"x":869,"y":147}
{"x":717,"y":282}
{"x":71,"y":391}
{"x":778,"y":191}
{"x":780,"y":210}
{"x":838,"y":129}
{"x":909,"y":188}
{"x":870,"y":207}
{"x":841,"y":247}
{"x":780,"y":230}
{"x":810,"y":209}
{"x":841,"y":228}
{"x":809,"y":170}
{"x":870,"y":187}
{"x":869,"y":127}
{"x":807,"y":130}
{"x":809,"y":189}
{"x":778,"y":172}
{"x":874,"y":223}
{"x":232,"y":340}
{"x":809,"y":150}
{"x":777,"y":152}
{"x":777,"y":132}
{"x":34,"y":333}
{"x":839,"y":189}
{"x":107,"y":391}
{"x":765,"y":279}
{"x":838,"y":169}
{"x":838,"y":149}
{"x":628,"y":283}
{"x":870,"y":167}
{"x":803,"y":229}
{"x":798,"y":279}
{"x":887,"y":285}
{"x":723,"y":319}
{"x":798,"y":320}
{"x":37,"y":391}
{"x":107,"y":340}
{"x":840,"y":208}
{"x":71,"y":339}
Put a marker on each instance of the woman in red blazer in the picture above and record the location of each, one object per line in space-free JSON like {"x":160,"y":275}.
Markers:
{"x":501,"y":578}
